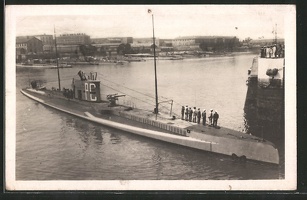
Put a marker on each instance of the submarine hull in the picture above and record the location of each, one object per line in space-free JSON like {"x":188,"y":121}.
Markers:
{"x":176,"y":131}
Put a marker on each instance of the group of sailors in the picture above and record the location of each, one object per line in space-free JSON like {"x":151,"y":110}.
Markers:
{"x":195,"y":116}
{"x":68,"y":93}
{"x":273,"y":51}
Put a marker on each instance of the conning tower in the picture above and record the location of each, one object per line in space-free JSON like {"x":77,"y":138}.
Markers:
{"x":87,"y":88}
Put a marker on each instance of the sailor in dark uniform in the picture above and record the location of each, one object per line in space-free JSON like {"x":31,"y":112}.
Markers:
{"x":198,"y":116}
{"x":215,"y":118}
{"x":211,"y":117}
{"x":194,"y":115}
{"x":190,"y":114}
{"x":182,"y":112}
{"x":204,"y":117}
{"x":186,"y":113}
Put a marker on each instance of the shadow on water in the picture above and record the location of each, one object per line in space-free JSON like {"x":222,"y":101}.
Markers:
{"x":98,"y":135}
{"x":88,"y":132}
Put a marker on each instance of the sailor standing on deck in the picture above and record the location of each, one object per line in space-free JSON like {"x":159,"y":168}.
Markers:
{"x":190,"y":114}
{"x":182,"y":112}
{"x":186,"y":113}
{"x":198,"y":116}
{"x":215,"y":118}
{"x":204,"y":117}
{"x":194,"y":115}
{"x":211,"y":117}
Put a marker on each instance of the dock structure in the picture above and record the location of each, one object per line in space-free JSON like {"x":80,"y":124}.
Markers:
{"x":254,"y":69}
{"x":262,"y":69}
{"x":265,"y":98}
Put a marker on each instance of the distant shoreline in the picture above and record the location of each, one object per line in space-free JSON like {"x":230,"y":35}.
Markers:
{"x":114,"y":61}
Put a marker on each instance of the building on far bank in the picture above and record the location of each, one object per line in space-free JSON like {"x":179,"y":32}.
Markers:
{"x":145,"y":42}
{"x":73,"y":39}
{"x":108,"y":46}
{"x":68,"y":45}
{"x":166,"y":45}
{"x":46,"y":39}
{"x":68,"y":50}
{"x":114,"y":40}
{"x":48,"y":42}
{"x":205,"y":43}
{"x":27,"y":45}
{"x":144,"y":45}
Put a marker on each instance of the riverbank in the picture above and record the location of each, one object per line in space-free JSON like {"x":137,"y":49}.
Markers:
{"x":133,"y":58}
{"x":181,"y":56}
{"x":45,"y":66}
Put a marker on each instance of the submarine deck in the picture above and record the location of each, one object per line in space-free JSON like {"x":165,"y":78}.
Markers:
{"x":196,"y":130}
{"x":219,"y":140}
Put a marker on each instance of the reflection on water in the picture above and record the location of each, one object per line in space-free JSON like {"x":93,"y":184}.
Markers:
{"x":98,"y":135}
{"x":61,"y":147}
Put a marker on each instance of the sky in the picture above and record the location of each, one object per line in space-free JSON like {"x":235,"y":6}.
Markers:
{"x":170,"y":21}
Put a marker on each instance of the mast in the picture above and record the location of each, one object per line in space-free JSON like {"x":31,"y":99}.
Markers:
{"x":154,"y":47}
{"x":275,"y":33}
{"x":57,"y":63}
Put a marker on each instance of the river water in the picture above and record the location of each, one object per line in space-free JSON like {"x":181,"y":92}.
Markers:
{"x":51,"y":145}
